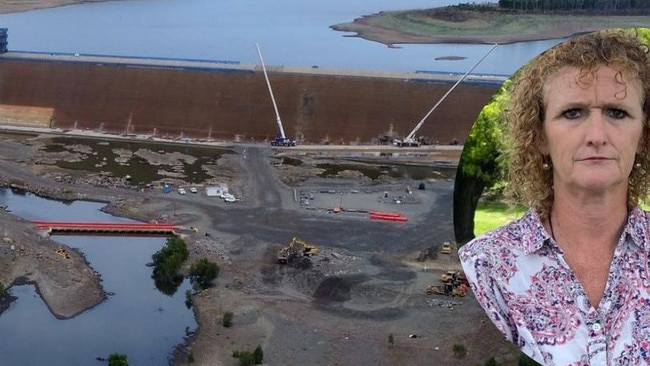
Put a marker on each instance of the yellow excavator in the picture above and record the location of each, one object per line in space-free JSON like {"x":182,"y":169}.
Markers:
{"x":297,"y":248}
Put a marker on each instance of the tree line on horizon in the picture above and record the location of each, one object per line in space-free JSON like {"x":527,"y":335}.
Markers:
{"x":600,"y":6}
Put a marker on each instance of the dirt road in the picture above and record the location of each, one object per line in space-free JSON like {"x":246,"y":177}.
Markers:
{"x":339,"y":307}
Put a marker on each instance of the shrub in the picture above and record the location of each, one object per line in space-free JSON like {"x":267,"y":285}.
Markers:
{"x":204,"y":271}
{"x":117,"y":359}
{"x":258,"y":355}
{"x":188,"y":298}
{"x":227,"y":319}
{"x":391,"y":339}
{"x":190,"y":357}
{"x":246,"y":358}
{"x":491,"y":362}
{"x":524,"y":360}
{"x":459,"y":351}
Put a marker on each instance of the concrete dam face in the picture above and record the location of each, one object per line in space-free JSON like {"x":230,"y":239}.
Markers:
{"x":231,"y":102}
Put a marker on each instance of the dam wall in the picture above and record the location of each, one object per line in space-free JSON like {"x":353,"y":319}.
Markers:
{"x":209,"y":101}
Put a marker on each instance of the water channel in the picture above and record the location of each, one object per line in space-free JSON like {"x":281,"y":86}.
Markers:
{"x":136,"y":319}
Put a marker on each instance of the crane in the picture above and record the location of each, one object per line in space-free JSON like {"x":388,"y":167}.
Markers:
{"x":281,"y":139}
{"x":410,"y":140}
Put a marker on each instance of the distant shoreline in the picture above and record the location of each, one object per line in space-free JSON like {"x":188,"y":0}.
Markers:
{"x":7,"y":7}
{"x":442,"y":25}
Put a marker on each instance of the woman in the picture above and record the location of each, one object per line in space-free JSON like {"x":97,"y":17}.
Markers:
{"x":569,"y":282}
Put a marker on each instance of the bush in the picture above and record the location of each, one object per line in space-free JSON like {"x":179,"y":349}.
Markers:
{"x":524,"y":360}
{"x":116,"y":359}
{"x":190,"y":357}
{"x":491,"y":362}
{"x":188,"y":298}
{"x":391,"y":339}
{"x":258,"y":355}
{"x":246,"y":358}
{"x":204,"y":271}
{"x":227,"y":319}
{"x":460,"y":351}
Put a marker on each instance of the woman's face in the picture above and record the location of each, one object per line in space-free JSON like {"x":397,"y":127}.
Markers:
{"x":592,"y":132}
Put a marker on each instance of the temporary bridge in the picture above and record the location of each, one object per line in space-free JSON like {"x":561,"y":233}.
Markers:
{"x":59,"y":227}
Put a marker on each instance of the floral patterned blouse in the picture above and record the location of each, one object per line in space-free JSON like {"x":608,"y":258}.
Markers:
{"x":519,"y":276}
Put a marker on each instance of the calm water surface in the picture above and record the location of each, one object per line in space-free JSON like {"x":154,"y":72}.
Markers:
{"x":137,"y":320}
{"x":290,"y":32}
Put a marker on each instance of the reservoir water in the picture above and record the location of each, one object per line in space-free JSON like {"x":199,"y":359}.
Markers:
{"x":136,"y":320}
{"x":290,"y":33}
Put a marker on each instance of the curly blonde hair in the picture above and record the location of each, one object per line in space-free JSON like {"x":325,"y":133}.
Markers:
{"x":529,"y":182}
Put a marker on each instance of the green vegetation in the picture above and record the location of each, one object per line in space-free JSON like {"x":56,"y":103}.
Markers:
{"x":203,"y":272}
{"x":490,"y":216}
{"x":492,"y":24}
{"x":248,"y":358}
{"x":227,"y":319}
{"x":167,"y":261}
{"x":459,"y":351}
{"x":190,"y":357}
{"x":258,"y":354}
{"x":610,"y":7}
{"x":189,"y":298}
{"x":117,"y":359}
{"x":391,"y":339}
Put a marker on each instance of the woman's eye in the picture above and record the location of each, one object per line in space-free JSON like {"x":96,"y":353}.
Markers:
{"x":572,"y":113}
{"x":617,"y":113}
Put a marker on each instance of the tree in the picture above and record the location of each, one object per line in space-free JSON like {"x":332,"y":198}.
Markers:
{"x":167,"y":261}
{"x":117,"y":359}
{"x":459,"y":350}
{"x":227,"y":319}
{"x":258,"y":355}
{"x":479,"y":166}
{"x":203,"y":272}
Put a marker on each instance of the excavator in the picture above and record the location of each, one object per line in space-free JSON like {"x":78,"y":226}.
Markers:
{"x":297,"y":248}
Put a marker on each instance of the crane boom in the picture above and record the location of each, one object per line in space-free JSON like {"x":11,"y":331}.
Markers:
{"x":282,"y":139}
{"x":410,"y":138}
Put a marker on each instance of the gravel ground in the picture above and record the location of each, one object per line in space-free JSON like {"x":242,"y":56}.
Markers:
{"x":336,"y":308}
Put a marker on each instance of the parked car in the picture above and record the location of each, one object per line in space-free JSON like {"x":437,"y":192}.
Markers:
{"x":181,"y":191}
{"x":194,"y":190}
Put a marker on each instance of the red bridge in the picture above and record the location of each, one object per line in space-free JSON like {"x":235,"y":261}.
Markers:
{"x":58,"y":227}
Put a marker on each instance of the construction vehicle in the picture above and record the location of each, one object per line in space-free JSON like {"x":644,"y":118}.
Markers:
{"x":410,"y":140}
{"x":446,"y":248}
{"x":63,"y":253}
{"x":447,"y":289}
{"x":454,"y":284}
{"x":281,"y":139}
{"x":454,"y":276}
{"x":296,"y":249}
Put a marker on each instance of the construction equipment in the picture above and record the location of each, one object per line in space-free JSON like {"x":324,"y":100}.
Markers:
{"x":281,"y":139}
{"x":297,"y":248}
{"x":446,"y":248}
{"x":454,"y":284}
{"x":454,"y":276}
{"x":63,"y":253}
{"x":410,"y":140}
{"x":449,"y":290}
